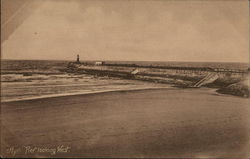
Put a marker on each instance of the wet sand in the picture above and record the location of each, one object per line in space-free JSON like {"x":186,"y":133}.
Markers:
{"x":143,"y":123}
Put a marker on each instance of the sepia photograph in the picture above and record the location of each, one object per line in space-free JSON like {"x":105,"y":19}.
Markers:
{"x":125,"y":79}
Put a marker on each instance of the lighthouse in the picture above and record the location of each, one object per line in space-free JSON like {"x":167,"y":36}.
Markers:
{"x":78,"y":59}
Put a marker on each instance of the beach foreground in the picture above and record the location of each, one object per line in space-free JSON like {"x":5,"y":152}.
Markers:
{"x":145,"y":123}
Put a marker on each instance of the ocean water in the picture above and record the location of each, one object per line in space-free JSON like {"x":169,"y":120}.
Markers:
{"x":29,"y":79}
{"x":45,"y":80}
{"x":18,"y":87}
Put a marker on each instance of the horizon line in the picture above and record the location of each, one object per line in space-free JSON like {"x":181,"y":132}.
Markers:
{"x":122,"y":60}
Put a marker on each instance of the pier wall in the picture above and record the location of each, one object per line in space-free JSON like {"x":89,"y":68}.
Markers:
{"x":171,"y":75}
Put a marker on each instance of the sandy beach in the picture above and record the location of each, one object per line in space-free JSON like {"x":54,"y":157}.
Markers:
{"x":143,"y":123}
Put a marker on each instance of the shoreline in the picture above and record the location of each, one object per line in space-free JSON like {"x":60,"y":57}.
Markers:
{"x":177,"y":81}
{"x":171,"y":87}
{"x":87,"y":93}
{"x":219,"y":91}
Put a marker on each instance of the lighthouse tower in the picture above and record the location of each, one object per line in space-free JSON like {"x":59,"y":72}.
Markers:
{"x":78,"y":59}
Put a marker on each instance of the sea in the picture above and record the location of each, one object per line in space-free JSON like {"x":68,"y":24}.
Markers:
{"x":31,"y":79}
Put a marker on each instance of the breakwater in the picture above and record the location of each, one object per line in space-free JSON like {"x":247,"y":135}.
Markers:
{"x":178,"y":76}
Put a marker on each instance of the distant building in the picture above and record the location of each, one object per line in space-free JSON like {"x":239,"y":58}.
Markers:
{"x":99,"y":63}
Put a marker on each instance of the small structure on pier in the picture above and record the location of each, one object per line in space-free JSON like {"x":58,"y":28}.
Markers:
{"x":99,"y":63}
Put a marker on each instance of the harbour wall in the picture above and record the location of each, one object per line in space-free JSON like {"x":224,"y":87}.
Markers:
{"x":180,"y":76}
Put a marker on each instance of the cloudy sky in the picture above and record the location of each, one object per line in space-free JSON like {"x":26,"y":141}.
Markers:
{"x":158,"y":30}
